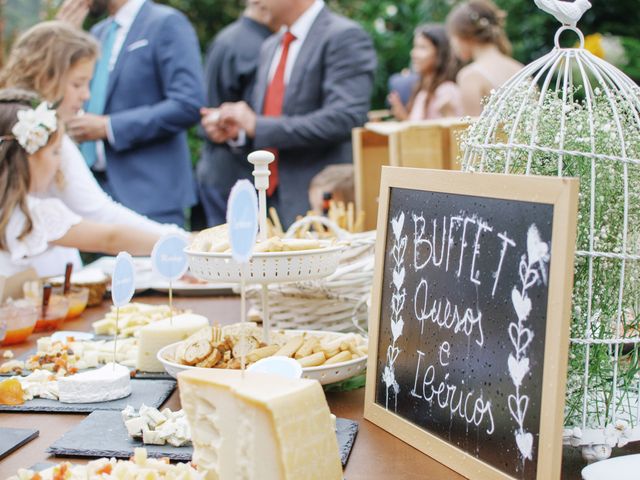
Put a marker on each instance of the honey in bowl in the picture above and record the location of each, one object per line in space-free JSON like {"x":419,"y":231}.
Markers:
{"x":20,"y":317}
{"x":53,"y":316}
{"x":78,"y":298}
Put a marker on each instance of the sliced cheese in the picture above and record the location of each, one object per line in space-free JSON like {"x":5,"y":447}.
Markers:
{"x":259,"y":426}
{"x":110,"y":382}
{"x":159,"y":334}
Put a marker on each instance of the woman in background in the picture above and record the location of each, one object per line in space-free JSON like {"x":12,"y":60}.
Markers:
{"x":476,"y":28}
{"x":435,"y":95}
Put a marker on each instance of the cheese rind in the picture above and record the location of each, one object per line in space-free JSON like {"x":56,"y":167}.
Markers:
{"x":157,"y":335}
{"x":110,"y":382}
{"x":258,"y":426}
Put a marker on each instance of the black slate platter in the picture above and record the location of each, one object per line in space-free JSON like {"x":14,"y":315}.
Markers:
{"x":137,"y":374}
{"x":113,"y":440}
{"x":13,"y":438}
{"x":152,"y":394}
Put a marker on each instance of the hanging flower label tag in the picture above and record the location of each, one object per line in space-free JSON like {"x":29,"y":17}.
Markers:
{"x":168,"y":258}
{"x":123,"y":280}
{"x":242,"y":217}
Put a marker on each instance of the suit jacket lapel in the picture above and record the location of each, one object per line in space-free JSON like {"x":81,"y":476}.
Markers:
{"x":262,"y":80}
{"x":311,"y":43}
{"x":132,"y":36}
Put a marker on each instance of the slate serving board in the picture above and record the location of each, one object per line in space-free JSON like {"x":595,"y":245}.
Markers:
{"x":13,"y":438}
{"x":137,"y":374}
{"x":113,"y":440}
{"x":152,"y":394}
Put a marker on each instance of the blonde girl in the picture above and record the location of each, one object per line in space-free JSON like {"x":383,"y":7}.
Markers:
{"x":31,"y":228}
{"x":57,"y":61}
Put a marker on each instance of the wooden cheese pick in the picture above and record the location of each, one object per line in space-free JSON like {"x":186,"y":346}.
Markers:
{"x":123,"y":284}
{"x":170,"y":262}
{"x":242,"y":218}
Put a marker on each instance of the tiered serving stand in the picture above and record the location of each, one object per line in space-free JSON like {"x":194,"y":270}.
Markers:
{"x":274,"y":267}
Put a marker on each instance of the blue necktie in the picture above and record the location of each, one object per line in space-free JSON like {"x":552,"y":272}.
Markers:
{"x":99,"y":85}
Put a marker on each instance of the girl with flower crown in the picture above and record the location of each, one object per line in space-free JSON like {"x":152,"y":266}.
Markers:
{"x":31,"y":228}
{"x":56,"y":61}
{"x":476,"y":28}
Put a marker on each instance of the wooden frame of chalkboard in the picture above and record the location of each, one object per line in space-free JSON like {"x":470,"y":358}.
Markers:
{"x":483,"y":395}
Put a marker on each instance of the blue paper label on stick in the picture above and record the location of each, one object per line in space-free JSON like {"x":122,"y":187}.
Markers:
{"x":123,"y":280}
{"x":168,"y":257}
{"x":242,"y":217}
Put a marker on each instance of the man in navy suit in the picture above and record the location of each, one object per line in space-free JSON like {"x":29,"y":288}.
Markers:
{"x":147,"y":90}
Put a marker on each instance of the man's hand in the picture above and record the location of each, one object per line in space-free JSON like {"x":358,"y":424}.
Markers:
{"x":217,"y":130}
{"x":240,"y":114}
{"x":74,"y":12}
{"x":88,"y":127}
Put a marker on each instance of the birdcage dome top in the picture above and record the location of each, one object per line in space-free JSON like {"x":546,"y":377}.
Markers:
{"x":567,"y":103}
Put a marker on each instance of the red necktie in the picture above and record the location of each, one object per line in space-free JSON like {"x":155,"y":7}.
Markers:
{"x":273,"y":101}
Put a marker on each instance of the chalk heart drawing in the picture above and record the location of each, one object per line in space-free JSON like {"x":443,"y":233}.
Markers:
{"x":397,"y":302}
{"x":397,"y":224}
{"x":537,"y":250}
{"x":518,"y":369}
{"x":525,"y":335}
{"x":398,"y":278}
{"x":392,"y":354}
{"x":396,"y":329}
{"x":525,"y":444}
{"x":518,"y":408}
{"x":521,"y":305}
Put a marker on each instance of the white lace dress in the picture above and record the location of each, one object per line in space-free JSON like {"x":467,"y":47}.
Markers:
{"x":51,"y":221}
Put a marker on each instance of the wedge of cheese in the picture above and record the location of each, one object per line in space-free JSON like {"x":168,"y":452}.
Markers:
{"x":159,"y":334}
{"x":259,"y":426}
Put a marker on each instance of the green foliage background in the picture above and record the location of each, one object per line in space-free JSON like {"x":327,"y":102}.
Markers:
{"x":391,"y":24}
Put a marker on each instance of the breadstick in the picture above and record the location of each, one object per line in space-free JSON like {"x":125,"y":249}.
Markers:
{"x":273,"y":213}
{"x":312,"y":360}
{"x":350,"y":217}
{"x":339,"y":358}
{"x":291,"y":347}
{"x":260,"y":353}
{"x":306,"y":348}
{"x":359,"y":226}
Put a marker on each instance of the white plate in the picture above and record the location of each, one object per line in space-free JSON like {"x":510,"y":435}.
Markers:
{"x":618,"y":468}
{"x":77,"y":336}
{"x":147,"y":280}
{"x":325,"y":374}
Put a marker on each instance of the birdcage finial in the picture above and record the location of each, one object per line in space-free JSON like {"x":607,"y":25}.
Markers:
{"x":567,"y":13}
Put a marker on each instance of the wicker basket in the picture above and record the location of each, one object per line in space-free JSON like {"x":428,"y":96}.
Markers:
{"x":339,"y":302}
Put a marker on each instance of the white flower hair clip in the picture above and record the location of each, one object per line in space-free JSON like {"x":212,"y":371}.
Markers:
{"x":34,"y":127}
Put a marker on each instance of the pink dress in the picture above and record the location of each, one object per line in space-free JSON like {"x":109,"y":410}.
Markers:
{"x":446,"y":97}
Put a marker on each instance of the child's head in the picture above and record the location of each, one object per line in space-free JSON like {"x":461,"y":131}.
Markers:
{"x":477,"y":22}
{"x":334,"y":179}
{"x":431,"y":52}
{"x":55,"y":60}
{"x":29,"y":153}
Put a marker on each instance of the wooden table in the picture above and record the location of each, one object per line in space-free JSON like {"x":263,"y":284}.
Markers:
{"x":375,"y":455}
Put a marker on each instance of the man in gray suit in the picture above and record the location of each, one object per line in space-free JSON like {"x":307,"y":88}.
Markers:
{"x":313,"y":87}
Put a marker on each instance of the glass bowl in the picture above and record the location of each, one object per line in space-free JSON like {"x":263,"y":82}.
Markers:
{"x":56,"y":314}
{"x":78,"y":298}
{"x":20,"y":318}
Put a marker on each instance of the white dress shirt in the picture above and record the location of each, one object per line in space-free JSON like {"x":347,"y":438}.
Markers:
{"x":124,"y":17}
{"x":300,"y":29}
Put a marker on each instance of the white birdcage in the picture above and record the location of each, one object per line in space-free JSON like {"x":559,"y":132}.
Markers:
{"x":571,"y":114}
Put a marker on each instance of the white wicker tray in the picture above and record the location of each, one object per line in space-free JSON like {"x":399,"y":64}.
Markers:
{"x":324,"y":374}
{"x":269,"y":267}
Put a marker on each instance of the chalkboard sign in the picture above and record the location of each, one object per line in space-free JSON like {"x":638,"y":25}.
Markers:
{"x":469,"y":326}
